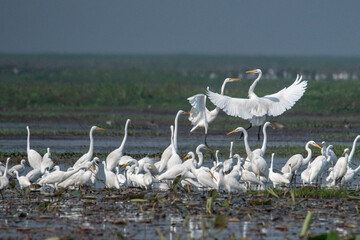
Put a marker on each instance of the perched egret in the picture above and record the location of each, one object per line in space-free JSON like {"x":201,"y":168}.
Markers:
{"x":256,"y":109}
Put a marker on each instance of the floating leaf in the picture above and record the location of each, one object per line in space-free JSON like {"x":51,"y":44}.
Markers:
{"x":139,"y":200}
{"x":260,"y":202}
{"x":75,"y":193}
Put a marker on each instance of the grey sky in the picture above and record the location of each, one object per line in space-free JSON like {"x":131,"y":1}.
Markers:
{"x":186,"y":26}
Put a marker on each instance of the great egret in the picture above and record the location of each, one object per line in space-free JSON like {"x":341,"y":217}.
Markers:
{"x":19,"y":168}
{"x":258,"y":163}
{"x":113,"y":158}
{"x":318,"y":166}
{"x":46,"y":162}
{"x":256,"y":109}
{"x":87,"y":156}
{"x":333,"y":157}
{"x":165,"y":156}
{"x":228,"y":181}
{"x":111,"y":179}
{"x":200,"y":116}
{"x":276,"y":178}
{"x":34,"y":157}
{"x":4,"y":181}
{"x":23,"y":180}
{"x":297,"y":160}
{"x":350,"y":173}
{"x":353,"y":148}
{"x":340,"y":167}
{"x":175,"y":158}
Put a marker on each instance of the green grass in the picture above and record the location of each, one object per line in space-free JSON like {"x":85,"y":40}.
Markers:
{"x":65,"y":82}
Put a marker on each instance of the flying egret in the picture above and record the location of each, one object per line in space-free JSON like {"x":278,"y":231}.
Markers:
{"x":256,"y":109}
{"x":87,"y":156}
{"x":114,"y":157}
{"x":34,"y":157}
{"x":200,"y":116}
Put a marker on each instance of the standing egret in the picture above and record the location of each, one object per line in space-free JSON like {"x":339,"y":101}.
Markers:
{"x":165,"y":156}
{"x":19,"y":168}
{"x":114,"y":157}
{"x":276,"y":178}
{"x":318,"y":166}
{"x":23,"y":180}
{"x":297,"y":160}
{"x":4,"y":181}
{"x":87,"y":156}
{"x":34,"y":157}
{"x":46,"y":163}
{"x":256,"y":109}
{"x":258,"y":163}
{"x":353,"y":148}
{"x":228,"y":181}
{"x":340,"y":168}
{"x":111,"y":179}
{"x":175,"y":158}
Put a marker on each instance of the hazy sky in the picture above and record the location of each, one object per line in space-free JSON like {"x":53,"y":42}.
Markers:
{"x":186,"y":26}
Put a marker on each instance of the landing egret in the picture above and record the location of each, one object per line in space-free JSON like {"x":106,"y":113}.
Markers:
{"x":200,"y":116}
{"x":256,"y":109}
{"x":276,"y":178}
{"x":46,"y":162}
{"x":87,"y":156}
{"x":114,"y":157}
{"x":34,"y":157}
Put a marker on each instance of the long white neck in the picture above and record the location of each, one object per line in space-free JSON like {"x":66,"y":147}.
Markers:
{"x":200,"y":157}
{"x":353,"y":148}
{"x":247,"y":148}
{"x":6,"y":167}
{"x":28,"y":139}
{"x":176,"y":129}
{"x":308,"y":157}
{"x":231,"y":149}
{"x":252,"y":87}
{"x":357,"y":169}
{"x":91,"y":147}
{"x":263,"y":147}
{"x":125,"y":135}
{"x":173,"y":149}
{"x":272,"y":162}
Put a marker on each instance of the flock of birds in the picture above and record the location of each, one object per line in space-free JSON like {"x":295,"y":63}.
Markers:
{"x":235,"y":174}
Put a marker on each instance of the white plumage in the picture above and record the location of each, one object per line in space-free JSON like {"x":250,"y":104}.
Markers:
{"x":256,"y":109}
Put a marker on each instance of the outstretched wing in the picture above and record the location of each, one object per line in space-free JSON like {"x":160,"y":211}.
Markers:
{"x":283,"y":100}
{"x":272,"y":105}
{"x":198,"y":109}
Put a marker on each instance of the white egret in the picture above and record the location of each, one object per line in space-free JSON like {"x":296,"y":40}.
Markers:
{"x":350,"y":173}
{"x":200,"y":116}
{"x":111,"y":179}
{"x":250,"y":178}
{"x":4,"y":181}
{"x":114,"y":157}
{"x":203,"y":176}
{"x":23,"y":180}
{"x":297,"y":160}
{"x":276,"y":178}
{"x":34,"y":157}
{"x":353,"y":148}
{"x":165,"y":156}
{"x":230,"y":183}
{"x":47,"y":162}
{"x":256,"y":109}
{"x":175,"y":158}
{"x":305,"y":175}
{"x":318,"y":166}
{"x":19,"y":168}
{"x":258,"y":163}
{"x":34,"y":175}
{"x":289,"y":175}
{"x":333,"y":157}
{"x":88,"y":156}
{"x":340,"y":168}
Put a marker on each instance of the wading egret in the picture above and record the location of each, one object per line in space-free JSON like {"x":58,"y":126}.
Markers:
{"x":46,"y":163}
{"x":34,"y":157}
{"x":276,"y":178}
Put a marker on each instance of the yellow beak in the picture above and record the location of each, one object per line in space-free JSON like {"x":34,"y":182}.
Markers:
{"x":186,"y":113}
{"x":317,"y":145}
{"x":252,"y":71}
{"x":187,"y":155}
{"x":231,"y":132}
{"x":235,"y":79}
{"x":100,"y":129}
{"x":124,"y":165}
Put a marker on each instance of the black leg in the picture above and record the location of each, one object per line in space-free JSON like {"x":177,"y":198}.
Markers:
{"x":242,"y":134}
{"x":259,"y":133}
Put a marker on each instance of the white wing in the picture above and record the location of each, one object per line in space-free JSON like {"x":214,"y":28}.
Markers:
{"x":272,"y":105}
{"x":198,"y":110}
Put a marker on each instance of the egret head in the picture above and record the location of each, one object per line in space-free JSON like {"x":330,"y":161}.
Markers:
{"x":232,"y":79}
{"x":254,"y":71}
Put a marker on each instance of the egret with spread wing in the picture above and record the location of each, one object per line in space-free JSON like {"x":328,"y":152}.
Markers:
{"x":200,"y":116}
{"x":256,"y":109}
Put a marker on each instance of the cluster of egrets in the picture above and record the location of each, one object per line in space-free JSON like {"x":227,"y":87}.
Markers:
{"x":235,"y":174}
